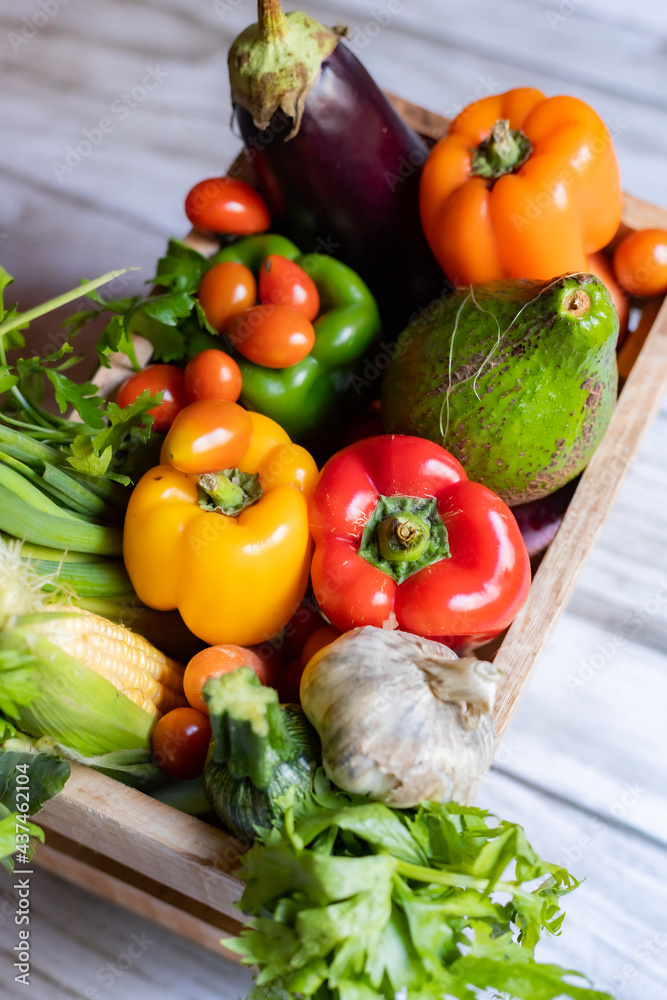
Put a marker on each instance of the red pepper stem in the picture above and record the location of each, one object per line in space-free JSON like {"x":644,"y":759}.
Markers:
{"x":403,"y":538}
{"x":403,"y":535}
{"x":272,"y":22}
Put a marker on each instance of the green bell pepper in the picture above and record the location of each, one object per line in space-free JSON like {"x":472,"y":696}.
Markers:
{"x":253,"y":251}
{"x":302,"y":396}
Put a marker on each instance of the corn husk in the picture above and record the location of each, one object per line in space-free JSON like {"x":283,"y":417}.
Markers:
{"x":69,"y":702}
{"x":44,"y":691}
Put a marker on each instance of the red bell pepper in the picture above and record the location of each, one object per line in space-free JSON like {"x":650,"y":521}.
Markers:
{"x":405,"y":540}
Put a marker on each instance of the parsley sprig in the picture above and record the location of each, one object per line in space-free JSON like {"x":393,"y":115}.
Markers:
{"x":170,"y":318}
{"x":93,"y":445}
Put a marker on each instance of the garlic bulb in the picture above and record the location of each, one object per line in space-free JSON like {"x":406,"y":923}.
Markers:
{"x":402,"y":719}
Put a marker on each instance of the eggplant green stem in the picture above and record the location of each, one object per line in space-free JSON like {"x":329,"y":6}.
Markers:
{"x":272,"y":22}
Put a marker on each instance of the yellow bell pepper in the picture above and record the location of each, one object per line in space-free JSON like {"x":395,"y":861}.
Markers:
{"x":234,"y":577}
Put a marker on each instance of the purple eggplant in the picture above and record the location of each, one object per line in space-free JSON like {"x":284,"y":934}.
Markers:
{"x":539,"y":520}
{"x":336,"y":164}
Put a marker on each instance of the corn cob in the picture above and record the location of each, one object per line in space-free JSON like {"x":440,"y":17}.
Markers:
{"x":92,"y":686}
{"x":131,"y":663}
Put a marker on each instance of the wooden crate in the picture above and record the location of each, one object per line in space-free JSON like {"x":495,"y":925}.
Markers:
{"x":180,"y":871}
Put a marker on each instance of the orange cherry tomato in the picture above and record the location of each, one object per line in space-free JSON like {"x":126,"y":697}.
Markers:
{"x":156,"y":378}
{"x":317,"y":641}
{"x":226,"y":290}
{"x":207,"y":436}
{"x":180,"y":743}
{"x":225,"y":205}
{"x":284,"y":283}
{"x":212,"y":374}
{"x":273,"y":336}
{"x":640,"y":262}
{"x":601,"y":267}
{"x":213,"y":662}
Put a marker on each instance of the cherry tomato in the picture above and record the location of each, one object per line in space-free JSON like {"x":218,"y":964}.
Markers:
{"x":226,"y":290}
{"x":157,"y":378}
{"x":212,"y":374}
{"x":640,"y":262}
{"x":213,"y":662}
{"x":225,"y":205}
{"x":317,"y":641}
{"x":273,"y":336}
{"x":207,"y":436}
{"x":284,"y":283}
{"x":601,"y":267}
{"x":180,"y":742}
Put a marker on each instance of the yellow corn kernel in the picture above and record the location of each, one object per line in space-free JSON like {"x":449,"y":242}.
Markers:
{"x":131,"y":663}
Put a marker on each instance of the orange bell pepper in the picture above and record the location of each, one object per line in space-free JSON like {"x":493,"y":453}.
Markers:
{"x":522,"y":186}
{"x":235,"y":577}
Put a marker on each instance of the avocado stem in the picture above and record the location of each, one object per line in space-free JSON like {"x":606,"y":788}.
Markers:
{"x":577,"y":303}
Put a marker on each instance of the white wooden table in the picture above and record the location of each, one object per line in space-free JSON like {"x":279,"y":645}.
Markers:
{"x":583,"y":764}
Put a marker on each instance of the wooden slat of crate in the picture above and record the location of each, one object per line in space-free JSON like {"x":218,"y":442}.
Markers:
{"x":146,"y":897}
{"x":157,"y":861}
{"x":158,"y":842}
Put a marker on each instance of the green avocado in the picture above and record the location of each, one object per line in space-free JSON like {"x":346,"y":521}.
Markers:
{"x":517,"y":379}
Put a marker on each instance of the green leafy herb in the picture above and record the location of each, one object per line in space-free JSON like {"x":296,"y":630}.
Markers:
{"x":169,"y":318}
{"x":9,"y":318}
{"x":85,"y":399}
{"x":157,"y":319}
{"x":7,"y":378}
{"x":353,"y":900}
{"x":30,"y":775}
{"x":116,"y":337}
{"x":47,"y":774}
{"x":130,"y":424}
{"x":12,"y":321}
{"x":12,"y":823}
{"x":96,"y":444}
{"x":181,"y":269}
